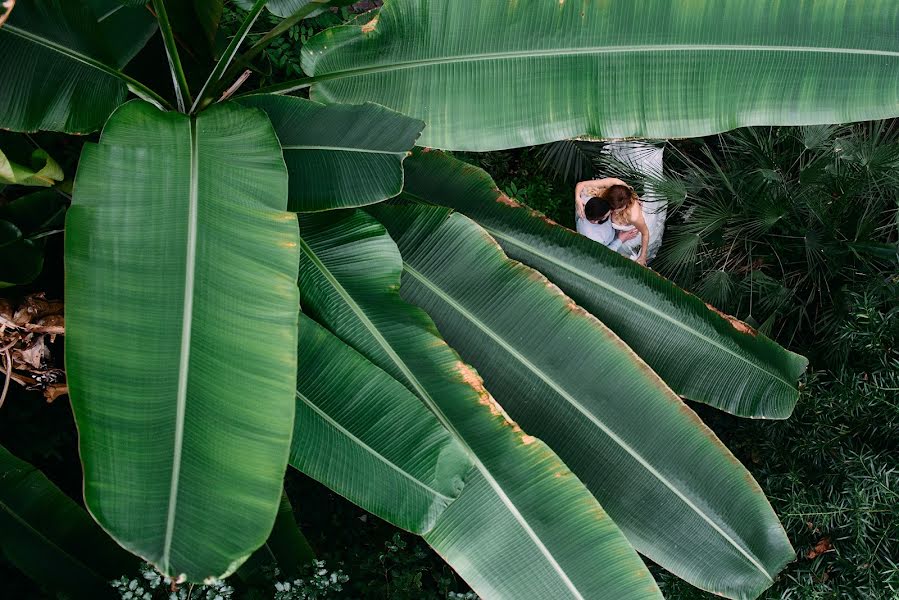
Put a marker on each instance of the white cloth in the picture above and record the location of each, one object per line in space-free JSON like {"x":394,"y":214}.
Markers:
{"x":648,"y":160}
{"x":598,"y":232}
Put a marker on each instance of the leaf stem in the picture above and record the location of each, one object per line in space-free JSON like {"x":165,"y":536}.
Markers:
{"x":203,"y":98}
{"x":267,"y":39}
{"x":179,"y":80}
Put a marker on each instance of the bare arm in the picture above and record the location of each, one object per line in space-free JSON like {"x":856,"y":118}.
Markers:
{"x":594,"y":187}
{"x":640,"y":223}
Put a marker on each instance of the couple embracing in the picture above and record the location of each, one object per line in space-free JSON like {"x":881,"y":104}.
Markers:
{"x":608,"y":211}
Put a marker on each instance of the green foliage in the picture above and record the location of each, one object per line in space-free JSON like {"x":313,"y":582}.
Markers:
{"x":520,"y":174}
{"x":280,"y":60}
{"x":778,"y":224}
{"x":130,"y":374}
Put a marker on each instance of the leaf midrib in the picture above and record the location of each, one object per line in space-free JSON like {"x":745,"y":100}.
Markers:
{"x":620,"y":293}
{"x":73,"y":54}
{"x":344,"y":149}
{"x":369,"y":449}
{"x":591,"y":50}
{"x":580,"y":408}
{"x":184,"y":357}
{"x":432,"y":405}
{"x":636,"y":302}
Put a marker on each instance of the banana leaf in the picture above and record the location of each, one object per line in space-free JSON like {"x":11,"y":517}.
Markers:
{"x":181,"y":333}
{"x":365,"y":436}
{"x":524,"y":525}
{"x":62,"y":62}
{"x":678,"y":494}
{"x":702,"y":354}
{"x":494,"y":75}
{"x":339,"y":156}
{"x":51,"y":539}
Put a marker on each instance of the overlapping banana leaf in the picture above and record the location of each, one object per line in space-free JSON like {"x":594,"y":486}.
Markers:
{"x":493,"y":75}
{"x":524,"y":525}
{"x":365,"y":436}
{"x":51,"y":539}
{"x":339,"y":156}
{"x":62,"y":62}
{"x":181,"y":332}
{"x":677,"y":493}
{"x":699,"y":353}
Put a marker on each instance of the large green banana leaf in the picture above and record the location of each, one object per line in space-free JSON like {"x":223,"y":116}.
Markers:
{"x":62,"y":61}
{"x":51,"y":539}
{"x":699,"y":353}
{"x":339,"y":156}
{"x":677,"y":493}
{"x":365,"y":436}
{"x":491,"y":75}
{"x":524,"y":526}
{"x":181,"y":332}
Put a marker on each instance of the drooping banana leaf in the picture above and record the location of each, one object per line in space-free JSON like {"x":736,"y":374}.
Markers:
{"x":181,"y":331}
{"x":51,"y":539}
{"x":701,"y":354}
{"x":42,"y":170}
{"x":677,"y":493}
{"x":368,"y":438}
{"x":286,"y":543}
{"x":524,"y":526}
{"x":339,"y":156}
{"x":62,"y":62}
{"x":493,"y":75}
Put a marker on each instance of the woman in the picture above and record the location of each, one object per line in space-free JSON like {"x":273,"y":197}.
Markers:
{"x":626,"y":210}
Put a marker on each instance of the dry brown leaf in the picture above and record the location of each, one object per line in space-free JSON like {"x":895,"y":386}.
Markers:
{"x":820,"y":548}
{"x":55,"y":390}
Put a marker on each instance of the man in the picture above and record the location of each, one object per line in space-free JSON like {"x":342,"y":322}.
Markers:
{"x":594,"y":221}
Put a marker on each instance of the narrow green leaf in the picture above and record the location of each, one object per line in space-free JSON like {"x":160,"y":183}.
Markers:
{"x":62,"y":62}
{"x":286,"y":542}
{"x":205,"y":95}
{"x":690,"y":345}
{"x":339,"y":156}
{"x":181,"y":330}
{"x":677,"y":493}
{"x":524,"y":526}
{"x":179,"y":79}
{"x":365,"y":436}
{"x":493,"y":75}
{"x":51,"y":539}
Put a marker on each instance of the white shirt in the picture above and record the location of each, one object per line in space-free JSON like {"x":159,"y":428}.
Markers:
{"x":598,"y":232}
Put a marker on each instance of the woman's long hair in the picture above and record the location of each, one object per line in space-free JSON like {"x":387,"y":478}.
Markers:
{"x":620,"y":199}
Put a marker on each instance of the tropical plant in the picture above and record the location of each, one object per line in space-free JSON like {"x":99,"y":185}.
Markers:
{"x":782,"y":222}
{"x":183,"y":253}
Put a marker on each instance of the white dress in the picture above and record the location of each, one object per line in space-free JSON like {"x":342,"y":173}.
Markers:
{"x":646,"y":159}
